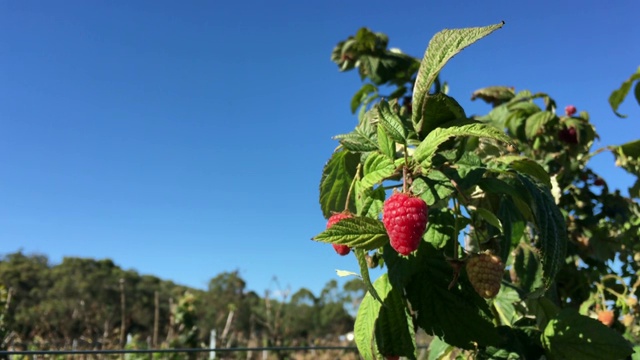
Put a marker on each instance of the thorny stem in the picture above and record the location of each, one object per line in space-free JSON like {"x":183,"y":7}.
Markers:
{"x":353,"y":182}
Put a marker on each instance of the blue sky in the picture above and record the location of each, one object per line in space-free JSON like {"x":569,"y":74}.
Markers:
{"x":183,"y":139}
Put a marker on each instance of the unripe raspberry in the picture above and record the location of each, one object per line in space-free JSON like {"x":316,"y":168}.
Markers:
{"x":606,"y":317}
{"x":570,"y":110}
{"x":335,"y":218}
{"x":405,"y":218}
{"x":485,"y":272}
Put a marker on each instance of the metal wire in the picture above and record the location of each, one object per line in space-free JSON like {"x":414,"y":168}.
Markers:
{"x":187,"y":350}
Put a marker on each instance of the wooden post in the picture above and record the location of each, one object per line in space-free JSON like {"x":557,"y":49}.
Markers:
{"x":156,"y":319}
{"x":122,"y":316}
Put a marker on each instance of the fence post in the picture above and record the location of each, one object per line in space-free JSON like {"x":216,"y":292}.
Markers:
{"x":212,"y":344}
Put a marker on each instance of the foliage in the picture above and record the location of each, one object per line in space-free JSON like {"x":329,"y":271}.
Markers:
{"x":515,"y":182}
{"x":80,"y":299}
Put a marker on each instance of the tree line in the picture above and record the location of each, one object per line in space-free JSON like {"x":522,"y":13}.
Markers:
{"x":95,"y":304}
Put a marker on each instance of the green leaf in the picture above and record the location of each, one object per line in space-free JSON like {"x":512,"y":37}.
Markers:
{"x":617,"y":96}
{"x":356,"y":141}
{"x":526,"y":166}
{"x":394,"y":328}
{"x":361,"y":95}
{"x":438,"y":110}
{"x":384,"y":327}
{"x":369,"y":202}
{"x":513,"y":225}
{"x":356,"y":232}
{"x":440,"y":227}
{"x":527,"y":270}
{"x":489,"y":217}
{"x":628,"y":157}
{"x":551,"y":227}
{"x":377,"y":168}
{"x":438,"y":349}
{"x":386,"y":145}
{"x":391,"y":123}
{"x":494,"y":95}
{"x":433,"y":188}
{"x":442,"y":47}
{"x":364,"y":326}
{"x":429,"y":146}
{"x":364,"y":272}
{"x":543,"y":309}
{"x":536,"y":122}
{"x":458,"y":315}
{"x":337,"y":176}
{"x":573,"y":336}
{"x":504,"y":302}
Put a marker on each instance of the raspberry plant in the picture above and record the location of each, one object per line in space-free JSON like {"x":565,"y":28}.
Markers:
{"x":514,"y":185}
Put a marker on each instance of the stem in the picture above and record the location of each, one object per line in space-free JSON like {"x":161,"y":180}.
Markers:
{"x":353,"y":182}
{"x":404,"y":169}
{"x":456,"y":212}
{"x":602,"y":149}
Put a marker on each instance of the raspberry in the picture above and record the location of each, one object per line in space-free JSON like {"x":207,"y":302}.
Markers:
{"x":335,"y":218}
{"x":598,"y":182}
{"x":485,"y":272}
{"x":568,"y":135}
{"x":405,"y":218}
{"x":606,"y":317}
{"x":570,"y":110}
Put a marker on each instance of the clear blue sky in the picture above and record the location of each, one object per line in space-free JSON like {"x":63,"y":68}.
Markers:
{"x":187,"y":138}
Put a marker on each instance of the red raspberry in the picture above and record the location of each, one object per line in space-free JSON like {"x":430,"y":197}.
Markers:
{"x":568,"y":135}
{"x":598,"y":182}
{"x":405,"y":218}
{"x":335,"y":218}
{"x":485,"y":272}
{"x":570,"y":110}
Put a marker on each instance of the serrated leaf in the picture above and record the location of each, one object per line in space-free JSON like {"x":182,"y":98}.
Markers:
{"x":489,"y":217}
{"x":551,"y":227}
{"x":628,"y":156}
{"x":440,"y":227}
{"x":369,"y":202}
{"x":513,"y":226}
{"x":536,"y":122}
{"x":391,"y":123}
{"x":393,"y":328}
{"x":442,"y":47}
{"x":337,"y":176}
{"x":527,"y":269}
{"x":438,"y":349}
{"x":356,"y":232}
{"x":458,"y":315}
{"x":377,"y":168}
{"x":494,"y":95}
{"x":526,"y":166}
{"x":433,"y":188}
{"x":356,"y":142}
{"x":617,"y":96}
{"x":386,"y":145}
{"x":429,"y":146}
{"x":384,"y":326}
{"x":570,"y":335}
{"x":504,"y":305}
{"x":364,"y":326}
{"x":362,"y":94}
{"x":438,"y":110}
